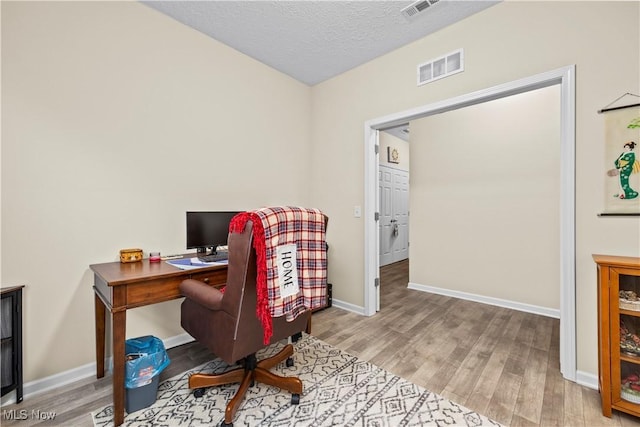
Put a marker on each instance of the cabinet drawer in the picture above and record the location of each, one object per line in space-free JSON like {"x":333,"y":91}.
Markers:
{"x":152,"y":292}
{"x":215,"y":278}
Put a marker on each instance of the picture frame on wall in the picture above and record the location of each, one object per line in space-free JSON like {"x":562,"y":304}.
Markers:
{"x":393,"y":156}
{"x":622,"y":159}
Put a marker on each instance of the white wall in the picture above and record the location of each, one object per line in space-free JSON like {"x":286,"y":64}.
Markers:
{"x":503,"y":43}
{"x":116,"y":120}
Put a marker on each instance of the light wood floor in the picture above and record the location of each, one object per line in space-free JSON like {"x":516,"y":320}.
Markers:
{"x":499,"y":362}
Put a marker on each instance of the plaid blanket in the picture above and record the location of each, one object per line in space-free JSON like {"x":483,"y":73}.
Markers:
{"x":272,"y":228}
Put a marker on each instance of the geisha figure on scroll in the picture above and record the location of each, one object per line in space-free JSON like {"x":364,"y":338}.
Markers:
{"x":626,"y":164}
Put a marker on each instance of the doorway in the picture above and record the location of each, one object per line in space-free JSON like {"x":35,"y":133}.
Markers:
{"x":393,"y":185}
{"x":563,"y":77}
{"x":394,"y":215}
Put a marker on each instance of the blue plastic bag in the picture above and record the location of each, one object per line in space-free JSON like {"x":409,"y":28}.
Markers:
{"x":145,"y":358}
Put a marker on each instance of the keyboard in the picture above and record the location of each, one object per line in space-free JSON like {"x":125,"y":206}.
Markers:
{"x":220,"y":256}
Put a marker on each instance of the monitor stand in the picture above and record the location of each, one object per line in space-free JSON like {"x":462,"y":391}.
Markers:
{"x":205,"y":251}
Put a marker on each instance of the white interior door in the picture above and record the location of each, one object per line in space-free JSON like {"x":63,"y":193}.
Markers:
{"x":394,"y":215}
{"x":400,"y":215}
{"x":386,"y":214}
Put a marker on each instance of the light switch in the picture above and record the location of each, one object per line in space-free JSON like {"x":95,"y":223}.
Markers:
{"x":357,"y":211}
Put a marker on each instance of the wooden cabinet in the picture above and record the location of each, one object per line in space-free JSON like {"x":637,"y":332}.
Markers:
{"x":11,"y":350}
{"x":619,"y":333}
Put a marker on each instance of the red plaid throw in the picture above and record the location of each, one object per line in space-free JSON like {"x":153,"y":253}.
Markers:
{"x":276,"y":226}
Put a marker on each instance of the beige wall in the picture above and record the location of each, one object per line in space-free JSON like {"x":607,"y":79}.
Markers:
{"x":485,"y":194}
{"x":502,"y":44}
{"x":116,"y":120}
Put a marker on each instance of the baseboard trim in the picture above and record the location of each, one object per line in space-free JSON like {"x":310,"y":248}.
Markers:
{"x":61,"y":379}
{"x":534,"y":309}
{"x":177,"y":340}
{"x":586,"y":379}
{"x":348,"y":307}
{"x":43,"y":385}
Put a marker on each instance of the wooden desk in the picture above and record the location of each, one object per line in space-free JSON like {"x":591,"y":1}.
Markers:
{"x":119,"y":287}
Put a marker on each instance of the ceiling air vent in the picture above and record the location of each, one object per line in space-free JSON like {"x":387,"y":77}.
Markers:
{"x":441,"y":67}
{"x":415,"y":8}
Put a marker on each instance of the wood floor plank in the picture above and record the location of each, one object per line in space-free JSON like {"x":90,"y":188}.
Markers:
{"x":543,"y":335}
{"x":573,"y":409}
{"x":487,"y":383}
{"x":470,"y":373}
{"x":465,"y":378}
{"x":531,"y":393}
{"x":503,"y":401}
{"x":553,"y":400}
{"x":518,"y":421}
{"x":592,"y":410}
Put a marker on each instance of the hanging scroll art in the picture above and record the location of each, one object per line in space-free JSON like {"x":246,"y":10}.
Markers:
{"x":622,"y":154}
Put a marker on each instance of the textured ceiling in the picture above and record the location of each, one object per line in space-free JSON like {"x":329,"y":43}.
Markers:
{"x":313,"y":41}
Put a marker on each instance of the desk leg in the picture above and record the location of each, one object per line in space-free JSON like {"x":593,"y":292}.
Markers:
{"x":100,"y":335}
{"x":119,"y":336}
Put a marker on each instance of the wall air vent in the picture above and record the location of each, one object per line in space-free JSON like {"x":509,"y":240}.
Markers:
{"x":443,"y":66}
{"x":411,"y":11}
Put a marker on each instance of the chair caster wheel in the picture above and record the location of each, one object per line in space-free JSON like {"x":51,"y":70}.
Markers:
{"x":289,"y":362}
{"x":295,"y":399}
{"x":198,"y":393}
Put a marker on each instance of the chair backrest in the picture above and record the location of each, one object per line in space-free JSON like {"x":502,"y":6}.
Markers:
{"x":240,"y":297}
{"x":235,"y":331}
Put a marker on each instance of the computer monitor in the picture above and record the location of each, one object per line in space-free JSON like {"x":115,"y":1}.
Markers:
{"x":208,"y":230}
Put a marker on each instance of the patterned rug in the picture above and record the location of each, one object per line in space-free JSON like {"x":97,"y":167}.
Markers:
{"x":339,"y":390}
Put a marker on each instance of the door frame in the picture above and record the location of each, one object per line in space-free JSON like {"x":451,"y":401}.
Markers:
{"x":565,"y":77}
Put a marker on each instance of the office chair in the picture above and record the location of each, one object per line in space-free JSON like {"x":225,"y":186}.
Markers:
{"x":227,"y":324}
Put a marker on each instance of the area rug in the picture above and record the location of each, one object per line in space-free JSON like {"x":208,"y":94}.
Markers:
{"x":339,"y":390}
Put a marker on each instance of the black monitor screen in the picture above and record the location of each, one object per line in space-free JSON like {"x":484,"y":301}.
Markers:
{"x":208,"y":229}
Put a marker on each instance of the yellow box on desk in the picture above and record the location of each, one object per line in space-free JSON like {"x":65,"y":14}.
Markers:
{"x":130,"y":255}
